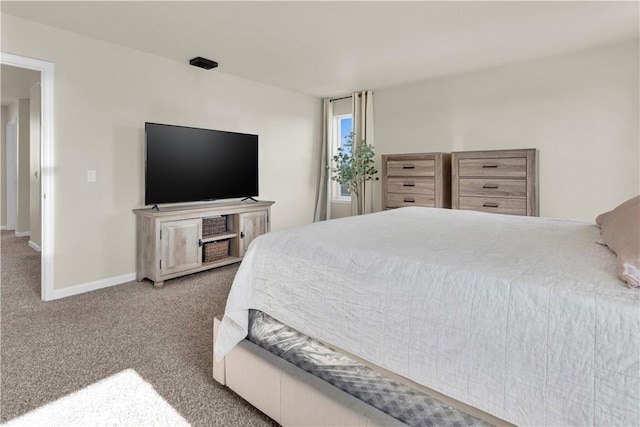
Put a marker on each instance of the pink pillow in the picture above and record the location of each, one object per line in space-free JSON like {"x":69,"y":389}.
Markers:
{"x":620,"y":231}
{"x":608,"y":215}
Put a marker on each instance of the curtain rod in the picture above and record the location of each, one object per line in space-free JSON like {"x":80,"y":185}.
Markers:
{"x":344,"y":97}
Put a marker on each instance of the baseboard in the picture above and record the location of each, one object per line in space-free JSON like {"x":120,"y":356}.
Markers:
{"x":3,"y":227}
{"x":92,"y":286}
{"x":34,"y":246}
{"x":23,"y":234}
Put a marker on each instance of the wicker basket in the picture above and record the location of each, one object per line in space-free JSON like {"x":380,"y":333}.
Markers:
{"x":214,"y":225}
{"x":213,"y":251}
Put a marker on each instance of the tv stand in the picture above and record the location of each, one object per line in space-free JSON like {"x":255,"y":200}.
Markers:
{"x":249,"y":198}
{"x":177,"y":241}
{"x":155,"y":208}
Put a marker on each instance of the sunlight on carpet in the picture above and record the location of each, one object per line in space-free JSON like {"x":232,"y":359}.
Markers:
{"x":123,"y":399}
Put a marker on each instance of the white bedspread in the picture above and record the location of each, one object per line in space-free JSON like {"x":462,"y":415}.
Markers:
{"x":521,"y":317}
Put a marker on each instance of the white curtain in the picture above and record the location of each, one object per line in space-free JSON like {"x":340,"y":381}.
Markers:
{"x":362,"y":111}
{"x":323,"y":193}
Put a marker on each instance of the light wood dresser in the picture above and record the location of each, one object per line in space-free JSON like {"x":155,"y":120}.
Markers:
{"x":501,"y":181}
{"x":419,"y":179}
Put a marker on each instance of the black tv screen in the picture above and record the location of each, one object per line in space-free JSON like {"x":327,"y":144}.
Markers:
{"x":185,"y":164}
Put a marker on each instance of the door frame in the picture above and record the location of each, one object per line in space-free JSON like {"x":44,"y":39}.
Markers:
{"x":47,"y":165}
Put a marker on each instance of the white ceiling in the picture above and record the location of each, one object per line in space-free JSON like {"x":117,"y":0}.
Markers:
{"x":331,"y":48}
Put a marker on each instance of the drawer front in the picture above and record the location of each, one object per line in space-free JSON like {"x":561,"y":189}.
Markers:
{"x":411,"y":185}
{"x":493,"y":167}
{"x":411,"y":167}
{"x":494,"y":205}
{"x":395,"y":200}
{"x":493,"y":187}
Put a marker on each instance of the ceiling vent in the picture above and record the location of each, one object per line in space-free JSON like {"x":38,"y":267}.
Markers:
{"x":205,"y":63}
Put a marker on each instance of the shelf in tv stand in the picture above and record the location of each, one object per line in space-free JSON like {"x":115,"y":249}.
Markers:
{"x":216,"y":237}
{"x":220,"y":262}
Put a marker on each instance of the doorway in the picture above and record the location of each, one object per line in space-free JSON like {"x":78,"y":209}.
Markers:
{"x":46,"y":196}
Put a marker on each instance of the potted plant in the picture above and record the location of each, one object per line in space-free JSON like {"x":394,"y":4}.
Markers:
{"x":353,"y":168}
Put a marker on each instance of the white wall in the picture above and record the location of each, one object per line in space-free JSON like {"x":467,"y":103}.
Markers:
{"x":579,"y":110}
{"x":19,"y":109}
{"x":103,"y":95}
{"x":4,"y":116}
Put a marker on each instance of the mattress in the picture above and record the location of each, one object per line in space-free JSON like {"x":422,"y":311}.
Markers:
{"x":521,"y":317}
{"x":409,"y":406}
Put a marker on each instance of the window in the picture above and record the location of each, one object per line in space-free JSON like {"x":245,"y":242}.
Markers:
{"x":342,"y":128}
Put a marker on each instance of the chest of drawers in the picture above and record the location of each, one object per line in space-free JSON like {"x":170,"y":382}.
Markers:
{"x":500,"y":181}
{"x":420,"y":179}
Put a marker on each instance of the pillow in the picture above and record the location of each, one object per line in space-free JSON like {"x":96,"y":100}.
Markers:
{"x":620,"y":231}
{"x":608,"y":215}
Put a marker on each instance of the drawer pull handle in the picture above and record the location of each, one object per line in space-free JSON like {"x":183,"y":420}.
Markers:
{"x":408,"y":184}
{"x":409,"y":201}
{"x":490,"y":166}
{"x":489,"y":205}
{"x":408,"y":167}
{"x":493,"y":186}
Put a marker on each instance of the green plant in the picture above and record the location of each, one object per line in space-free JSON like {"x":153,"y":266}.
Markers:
{"x":353,"y":168}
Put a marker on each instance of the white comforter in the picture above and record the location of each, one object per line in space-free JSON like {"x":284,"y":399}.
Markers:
{"x":521,"y":317}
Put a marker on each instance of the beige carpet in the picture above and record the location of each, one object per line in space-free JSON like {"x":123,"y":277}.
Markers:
{"x":123,"y":399}
{"x":53,"y":349}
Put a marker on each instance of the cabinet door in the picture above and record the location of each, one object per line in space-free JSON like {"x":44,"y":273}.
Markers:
{"x":252,"y":225}
{"x":179,"y":249}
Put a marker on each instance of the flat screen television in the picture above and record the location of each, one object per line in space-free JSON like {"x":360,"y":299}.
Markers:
{"x":184,"y":164}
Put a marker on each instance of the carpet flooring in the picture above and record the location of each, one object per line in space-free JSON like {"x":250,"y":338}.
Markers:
{"x":51,"y":349}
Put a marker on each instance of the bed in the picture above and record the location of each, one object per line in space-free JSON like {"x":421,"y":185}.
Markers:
{"x":521,"y":318}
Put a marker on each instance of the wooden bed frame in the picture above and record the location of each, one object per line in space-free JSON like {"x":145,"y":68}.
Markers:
{"x":294,"y":397}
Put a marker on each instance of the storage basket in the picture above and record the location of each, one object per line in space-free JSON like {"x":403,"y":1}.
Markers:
{"x":214,"y":225}
{"x":213,"y":251}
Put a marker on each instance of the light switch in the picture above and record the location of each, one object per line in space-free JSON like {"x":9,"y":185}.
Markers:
{"x":91,"y":176}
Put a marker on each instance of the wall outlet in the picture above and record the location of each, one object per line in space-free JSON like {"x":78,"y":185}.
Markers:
{"x":91,"y":176}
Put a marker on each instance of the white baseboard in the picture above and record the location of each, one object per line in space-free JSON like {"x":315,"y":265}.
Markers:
{"x":22,"y":234}
{"x":92,"y":286}
{"x":3,"y":227}
{"x":34,"y":246}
